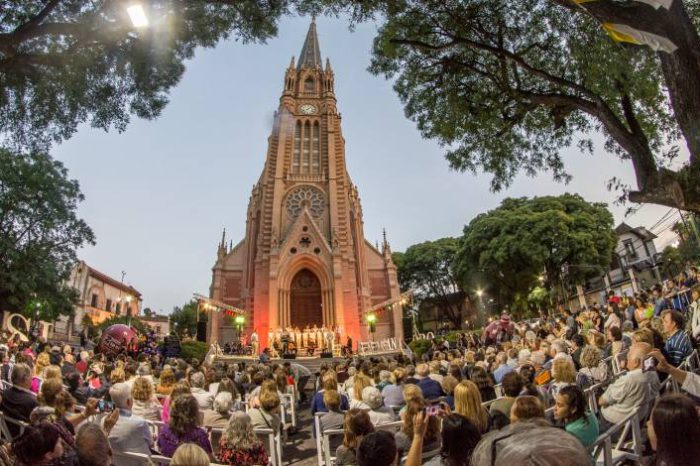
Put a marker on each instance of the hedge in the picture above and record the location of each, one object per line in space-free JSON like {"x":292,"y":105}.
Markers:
{"x":193,"y":350}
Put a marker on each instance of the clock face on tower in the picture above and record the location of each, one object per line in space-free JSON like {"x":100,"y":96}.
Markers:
{"x":307,"y":109}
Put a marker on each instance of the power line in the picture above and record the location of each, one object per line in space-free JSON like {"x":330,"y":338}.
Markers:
{"x":663,"y":218}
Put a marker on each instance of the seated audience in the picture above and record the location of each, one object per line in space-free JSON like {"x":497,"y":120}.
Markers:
{"x":361,"y":382}
{"x":484,"y":382}
{"x":570,"y":408}
{"x":183,"y":427}
{"x":18,"y":401}
{"x":357,"y":425}
{"x":378,"y":413}
{"x":532,"y":442}
{"x":512,"y":386}
{"x":334,"y":418}
{"x":166,"y":382}
{"x":673,"y":430}
{"x":449,"y":383}
{"x":220,"y":413}
{"x":468,"y":404}
{"x":431,"y":389}
{"x":203,"y":397}
{"x":633,"y":390}
{"x":190,"y":454}
{"x":377,"y":449}
{"x":403,"y":437}
{"x":563,"y":375}
{"x":130,"y":433}
{"x":678,"y":345}
{"x":525,"y":408}
{"x":459,"y":439}
{"x":146,"y":404}
{"x":92,"y":445}
{"x":393,"y":393}
{"x":38,"y":445}
{"x":592,"y":365}
{"x":239,"y":445}
{"x":265,"y":416}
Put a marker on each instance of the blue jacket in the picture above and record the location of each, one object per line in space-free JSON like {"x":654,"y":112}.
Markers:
{"x":431,"y":389}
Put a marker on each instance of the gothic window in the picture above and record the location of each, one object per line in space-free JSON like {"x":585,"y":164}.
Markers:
{"x":306,"y":148}
{"x":306,"y":196}
{"x":309,"y":85}
{"x":315,"y":150}
{"x":297,"y":148}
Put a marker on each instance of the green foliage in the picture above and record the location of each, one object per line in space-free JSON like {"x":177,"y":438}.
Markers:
{"x":185,"y":318}
{"x":194,"y":350}
{"x":71,"y":61}
{"x":429,"y":267}
{"x":39,"y":233}
{"x":510,"y":247}
{"x":419,"y":347}
{"x":135,"y":322}
{"x":507,"y":85}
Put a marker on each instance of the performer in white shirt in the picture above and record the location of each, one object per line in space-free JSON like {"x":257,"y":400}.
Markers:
{"x":255,"y":341}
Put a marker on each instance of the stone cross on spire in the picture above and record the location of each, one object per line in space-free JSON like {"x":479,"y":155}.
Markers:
{"x":310,"y":56}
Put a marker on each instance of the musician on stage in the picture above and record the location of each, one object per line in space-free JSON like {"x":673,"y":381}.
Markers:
{"x":285,"y":341}
{"x":255,"y":341}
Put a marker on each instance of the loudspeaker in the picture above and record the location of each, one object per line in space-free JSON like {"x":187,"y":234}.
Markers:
{"x":202,"y":331}
{"x":326,"y":354}
{"x":289,"y":356}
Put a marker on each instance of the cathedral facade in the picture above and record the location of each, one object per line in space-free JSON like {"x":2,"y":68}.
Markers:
{"x":304,"y":260}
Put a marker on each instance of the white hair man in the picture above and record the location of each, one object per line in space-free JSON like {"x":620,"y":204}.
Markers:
{"x":130,"y":433}
{"x":635,"y":389}
{"x":378,"y":413}
{"x":203,"y":397}
{"x":18,"y":401}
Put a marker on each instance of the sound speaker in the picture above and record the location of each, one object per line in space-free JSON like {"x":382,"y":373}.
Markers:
{"x":202,"y":331}
{"x":289,"y":356}
{"x":326,"y":354}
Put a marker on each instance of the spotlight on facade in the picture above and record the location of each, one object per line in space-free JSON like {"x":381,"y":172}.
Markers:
{"x":371,"y":318}
{"x":239,"y":320}
{"x":479,"y":293}
{"x":137,"y":15}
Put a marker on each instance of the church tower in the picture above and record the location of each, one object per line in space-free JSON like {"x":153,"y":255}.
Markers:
{"x":304,"y":259}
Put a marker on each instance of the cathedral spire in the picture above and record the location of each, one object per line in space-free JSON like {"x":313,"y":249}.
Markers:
{"x":310,"y":56}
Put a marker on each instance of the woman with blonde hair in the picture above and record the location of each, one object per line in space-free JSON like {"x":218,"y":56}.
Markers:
{"x":52,"y":372}
{"x":404,"y":436}
{"x":166,"y":383}
{"x":146,"y":405}
{"x":361,"y":382}
{"x":592,"y":365}
{"x":563,"y":375}
{"x":189,"y":454}
{"x":468,"y":404}
{"x":239,"y":445}
{"x":42,"y":362}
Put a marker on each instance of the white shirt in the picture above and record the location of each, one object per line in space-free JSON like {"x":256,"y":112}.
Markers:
{"x":203,"y":397}
{"x":130,"y":434}
{"x":692,"y":384}
{"x":382,"y":415}
{"x":632,"y":390}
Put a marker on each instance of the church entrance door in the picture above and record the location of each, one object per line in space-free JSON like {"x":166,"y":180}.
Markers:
{"x":305,"y":302}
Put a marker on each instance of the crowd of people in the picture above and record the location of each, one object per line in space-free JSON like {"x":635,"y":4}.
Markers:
{"x":535,"y":392}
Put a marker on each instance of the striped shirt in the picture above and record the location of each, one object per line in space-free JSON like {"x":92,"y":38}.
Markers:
{"x":677,"y":348}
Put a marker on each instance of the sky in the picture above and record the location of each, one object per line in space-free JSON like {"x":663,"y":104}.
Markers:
{"x":159,"y":194}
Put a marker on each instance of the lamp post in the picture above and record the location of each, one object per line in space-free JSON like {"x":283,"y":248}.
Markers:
{"x":128,"y":310}
{"x":372,"y":322}
{"x":239,"y":320}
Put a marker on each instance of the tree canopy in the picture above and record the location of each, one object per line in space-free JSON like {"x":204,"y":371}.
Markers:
{"x":557,"y":241}
{"x":505,"y":86}
{"x":429,"y":267}
{"x":65,"y":62}
{"x":39,"y":233}
{"x":185,"y":318}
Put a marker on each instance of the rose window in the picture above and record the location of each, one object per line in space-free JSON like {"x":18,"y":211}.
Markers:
{"x":306,"y":196}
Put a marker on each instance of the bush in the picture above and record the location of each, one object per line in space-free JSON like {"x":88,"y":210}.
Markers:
{"x":419,"y":347}
{"x":193,"y":350}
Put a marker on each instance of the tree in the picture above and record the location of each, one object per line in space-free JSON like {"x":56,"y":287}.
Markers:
{"x":671,"y":262}
{"x":65,"y":62}
{"x":39,"y":233}
{"x":185,"y":318}
{"x":506,"y":85}
{"x":556,"y":241}
{"x":428,"y":267}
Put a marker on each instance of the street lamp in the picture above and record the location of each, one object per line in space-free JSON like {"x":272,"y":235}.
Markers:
{"x":372,"y":321}
{"x":137,"y":15}
{"x":239,"y":320}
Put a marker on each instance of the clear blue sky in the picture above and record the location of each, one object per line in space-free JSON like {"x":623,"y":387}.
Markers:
{"x":159,"y":194}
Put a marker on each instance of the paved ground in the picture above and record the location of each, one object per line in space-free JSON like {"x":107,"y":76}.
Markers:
{"x":300,"y":448}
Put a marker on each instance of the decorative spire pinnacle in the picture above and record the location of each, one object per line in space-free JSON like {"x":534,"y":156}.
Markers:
{"x":328,"y":64}
{"x":223,"y":239}
{"x":310,"y":56}
{"x":291,"y":63}
{"x":386,"y":249}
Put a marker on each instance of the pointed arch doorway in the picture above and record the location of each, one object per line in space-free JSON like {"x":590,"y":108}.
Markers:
{"x":305,"y":304}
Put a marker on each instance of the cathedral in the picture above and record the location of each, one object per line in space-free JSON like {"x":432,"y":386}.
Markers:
{"x":304,"y":260}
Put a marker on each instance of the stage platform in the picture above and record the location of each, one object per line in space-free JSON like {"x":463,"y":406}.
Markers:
{"x":313,"y":363}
